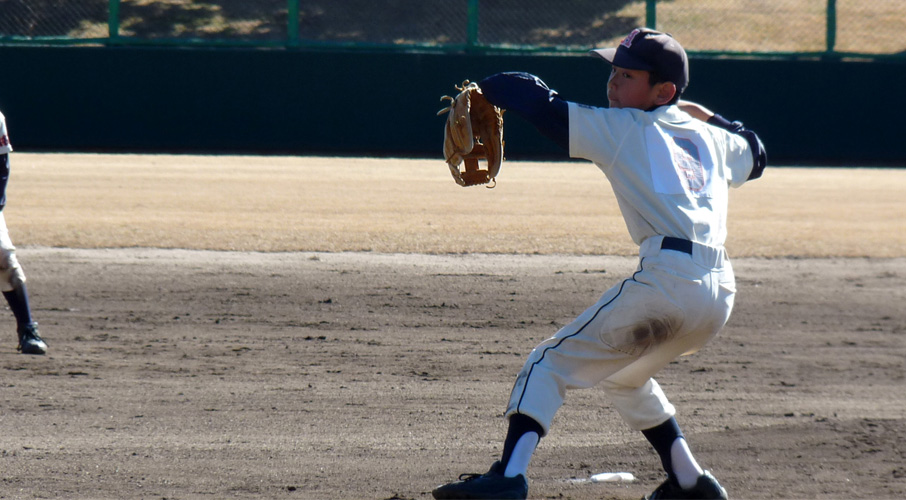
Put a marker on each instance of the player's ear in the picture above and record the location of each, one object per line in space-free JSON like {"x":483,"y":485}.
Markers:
{"x":665,"y":92}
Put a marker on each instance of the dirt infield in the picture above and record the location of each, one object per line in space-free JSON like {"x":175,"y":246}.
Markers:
{"x":254,"y":327}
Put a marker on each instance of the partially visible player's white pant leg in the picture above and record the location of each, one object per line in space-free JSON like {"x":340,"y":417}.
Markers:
{"x":10,"y":272}
{"x":570,"y":359}
{"x":671,"y":306}
{"x":641,"y":407}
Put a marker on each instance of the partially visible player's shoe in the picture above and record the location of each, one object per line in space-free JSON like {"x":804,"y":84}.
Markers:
{"x":707,"y":488}
{"x":492,"y":485}
{"x":29,"y":340}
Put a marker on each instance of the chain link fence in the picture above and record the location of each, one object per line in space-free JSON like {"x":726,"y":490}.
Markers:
{"x":37,"y":19}
{"x":769,"y":27}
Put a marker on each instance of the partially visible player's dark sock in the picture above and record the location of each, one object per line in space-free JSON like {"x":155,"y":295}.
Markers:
{"x":18,"y":303}
{"x":661,"y":438}
{"x":520,"y":425}
{"x":664,"y":439}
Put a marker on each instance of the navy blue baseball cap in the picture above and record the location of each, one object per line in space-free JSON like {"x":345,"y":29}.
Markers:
{"x":650,"y":50}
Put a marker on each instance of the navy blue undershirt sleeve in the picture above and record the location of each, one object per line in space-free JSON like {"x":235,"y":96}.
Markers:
{"x":529,"y":97}
{"x":758,"y":153}
{"x":4,"y":178}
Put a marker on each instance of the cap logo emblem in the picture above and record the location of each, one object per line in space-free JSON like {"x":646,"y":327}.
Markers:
{"x":627,"y":42}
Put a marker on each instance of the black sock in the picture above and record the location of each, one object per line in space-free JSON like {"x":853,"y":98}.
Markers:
{"x":662,"y":438}
{"x":18,"y":302}
{"x":519,"y":425}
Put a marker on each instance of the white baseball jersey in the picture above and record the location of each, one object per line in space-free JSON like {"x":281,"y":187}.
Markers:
{"x":679,"y":188}
{"x":5,"y":146}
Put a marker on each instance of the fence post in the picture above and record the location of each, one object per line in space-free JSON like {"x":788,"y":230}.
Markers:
{"x":113,"y":20}
{"x":292,"y":22}
{"x":651,"y":14}
{"x":831,"y":39}
{"x":472,"y":33}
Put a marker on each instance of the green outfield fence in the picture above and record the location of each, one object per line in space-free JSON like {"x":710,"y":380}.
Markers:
{"x":769,"y":28}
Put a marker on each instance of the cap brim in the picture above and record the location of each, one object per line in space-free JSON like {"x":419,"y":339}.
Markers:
{"x":621,"y":58}
{"x":606,"y":54}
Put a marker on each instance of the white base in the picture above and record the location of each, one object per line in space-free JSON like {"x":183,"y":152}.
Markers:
{"x":612,"y":477}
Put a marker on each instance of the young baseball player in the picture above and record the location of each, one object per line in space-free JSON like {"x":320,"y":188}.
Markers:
{"x":671,"y":173}
{"x":12,"y":279}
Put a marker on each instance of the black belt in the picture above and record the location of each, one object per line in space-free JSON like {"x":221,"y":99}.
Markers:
{"x":678,"y":244}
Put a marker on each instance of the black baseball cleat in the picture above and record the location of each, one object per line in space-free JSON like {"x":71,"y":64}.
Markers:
{"x":492,"y":485}
{"x":29,"y":340}
{"x":707,"y":488}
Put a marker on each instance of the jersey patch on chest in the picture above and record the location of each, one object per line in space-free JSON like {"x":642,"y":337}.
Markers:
{"x":680,"y":163}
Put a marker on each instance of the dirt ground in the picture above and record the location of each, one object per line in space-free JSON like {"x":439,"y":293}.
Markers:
{"x":192,"y":373}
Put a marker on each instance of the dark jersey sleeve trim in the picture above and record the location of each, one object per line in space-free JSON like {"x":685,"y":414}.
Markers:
{"x":529,"y":97}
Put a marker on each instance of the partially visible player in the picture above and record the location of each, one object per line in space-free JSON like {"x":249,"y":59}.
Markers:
{"x":12,"y":279}
{"x":671,"y":175}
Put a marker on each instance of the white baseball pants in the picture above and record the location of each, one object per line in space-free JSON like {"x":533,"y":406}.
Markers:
{"x":671,"y":306}
{"x":11,"y":274}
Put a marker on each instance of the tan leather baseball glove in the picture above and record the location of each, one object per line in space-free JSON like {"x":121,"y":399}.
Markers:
{"x":473,"y":132}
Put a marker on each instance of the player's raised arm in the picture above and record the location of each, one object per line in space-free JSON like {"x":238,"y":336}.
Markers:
{"x":699,"y":112}
{"x":695,"y":110}
{"x":529,"y":97}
